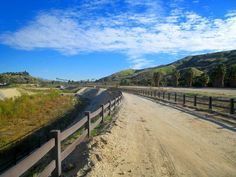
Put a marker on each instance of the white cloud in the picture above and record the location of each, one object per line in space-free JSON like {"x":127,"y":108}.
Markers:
{"x":135,"y":34}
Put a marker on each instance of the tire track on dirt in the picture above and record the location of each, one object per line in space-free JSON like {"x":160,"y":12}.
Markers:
{"x":153,"y":140}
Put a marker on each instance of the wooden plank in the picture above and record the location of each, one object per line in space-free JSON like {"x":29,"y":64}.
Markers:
{"x":220,"y":106}
{"x":73,"y":129}
{"x":95,"y":113}
{"x":94,"y":125}
{"x":112,"y":102}
{"x":106,"y":105}
{"x":221,"y":99}
{"x":203,"y":98}
{"x":72,"y":146}
{"x":202,"y":103}
{"x":189,"y":101}
{"x":29,"y":161}
{"x":48,"y":170}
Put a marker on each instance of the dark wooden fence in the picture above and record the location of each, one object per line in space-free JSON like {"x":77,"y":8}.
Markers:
{"x":224,"y":106}
{"x":89,"y":122}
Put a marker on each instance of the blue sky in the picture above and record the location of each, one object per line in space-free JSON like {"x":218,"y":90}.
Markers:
{"x":85,"y":39}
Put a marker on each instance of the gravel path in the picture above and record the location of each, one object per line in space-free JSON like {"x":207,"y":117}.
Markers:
{"x":149,"y":139}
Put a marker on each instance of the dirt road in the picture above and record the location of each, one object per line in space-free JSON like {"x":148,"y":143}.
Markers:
{"x":154,"y":140}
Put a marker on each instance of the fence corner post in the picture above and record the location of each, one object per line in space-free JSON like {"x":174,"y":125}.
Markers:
{"x":87,"y":113}
{"x":109,"y":107}
{"x":231,"y":106}
{"x":195,"y":101}
{"x":183,"y":99}
{"x":210,"y":103}
{"x":102,"y":112}
{"x":57,"y":152}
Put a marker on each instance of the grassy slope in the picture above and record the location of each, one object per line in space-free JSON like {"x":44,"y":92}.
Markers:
{"x":200,"y":63}
{"x":29,"y":112}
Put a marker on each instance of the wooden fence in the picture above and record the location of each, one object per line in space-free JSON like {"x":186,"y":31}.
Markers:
{"x":89,"y":122}
{"x":220,"y":105}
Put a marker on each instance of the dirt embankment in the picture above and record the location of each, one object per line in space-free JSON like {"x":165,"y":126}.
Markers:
{"x":154,"y":140}
{"x":9,"y":93}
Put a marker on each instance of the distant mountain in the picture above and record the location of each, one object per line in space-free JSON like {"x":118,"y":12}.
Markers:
{"x":198,"y":63}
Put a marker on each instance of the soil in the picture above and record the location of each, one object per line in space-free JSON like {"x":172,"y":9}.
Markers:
{"x":150,"y":139}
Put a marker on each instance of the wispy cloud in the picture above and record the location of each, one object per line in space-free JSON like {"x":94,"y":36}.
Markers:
{"x":135,"y":33}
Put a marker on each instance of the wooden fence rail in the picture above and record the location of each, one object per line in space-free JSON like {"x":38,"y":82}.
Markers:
{"x":219,"y":105}
{"x":54,"y":144}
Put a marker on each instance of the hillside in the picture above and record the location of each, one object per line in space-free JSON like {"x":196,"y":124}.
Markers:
{"x":17,"y":78}
{"x":11,"y":78}
{"x":198,"y":63}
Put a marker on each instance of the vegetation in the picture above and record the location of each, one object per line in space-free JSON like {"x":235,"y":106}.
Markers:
{"x":27,"y":113}
{"x":157,"y":76}
{"x":202,"y":80}
{"x":232,"y":76}
{"x":176,"y":77}
{"x":213,"y":69}
{"x":189,"y":77}
{"x":217,"y":75}
{"x":17,"y":78}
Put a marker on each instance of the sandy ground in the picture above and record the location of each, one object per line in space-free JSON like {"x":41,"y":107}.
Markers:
{"x":152,"y":140}
{"x":9,"y":93}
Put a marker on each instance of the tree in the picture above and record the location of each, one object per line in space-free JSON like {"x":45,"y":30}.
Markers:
{"x":124,"y":82}
{"x":157,"y":78}
{"x":217,"y":75}
{"x":202,"y":80}
{"x":175,"y":78}
{"x":232,"y":76}
{"x":189,"y":77}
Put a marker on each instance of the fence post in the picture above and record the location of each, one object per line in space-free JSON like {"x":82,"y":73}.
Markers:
{"x":163,"y":95}
{"x":183,"y":99}
{"x":195,"y":100}
{"x":102,"y":112}
{"x":175,"y":97}
{"x":168,"y":96}
{"x":57,"y":152}
{"x":231,"y":106}
{"x":87,"y":113}
{"x":210,"y":103}
{"x":109,"y":107}
{"x":159,"y":94}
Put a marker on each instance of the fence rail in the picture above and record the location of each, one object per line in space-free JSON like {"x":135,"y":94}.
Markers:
{"x":224,"y":106}
{"x":54,"y":144}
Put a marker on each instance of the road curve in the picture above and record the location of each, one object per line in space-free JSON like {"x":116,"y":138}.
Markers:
{"x":149,"y":139}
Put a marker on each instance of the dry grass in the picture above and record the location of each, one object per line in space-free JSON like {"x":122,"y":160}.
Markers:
{"x":27,"y":113}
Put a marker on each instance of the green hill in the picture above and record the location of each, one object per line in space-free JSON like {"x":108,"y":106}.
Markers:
{"x":198,"y":64}
{"x":17,"y":78}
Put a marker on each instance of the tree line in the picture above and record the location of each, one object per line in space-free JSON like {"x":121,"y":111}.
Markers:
{"x":218,"y":76}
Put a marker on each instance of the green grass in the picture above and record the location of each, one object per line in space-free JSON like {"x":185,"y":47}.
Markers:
{"x":166,"y":69}
{"x":125,"y":73}
{"x":27,"y":113}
